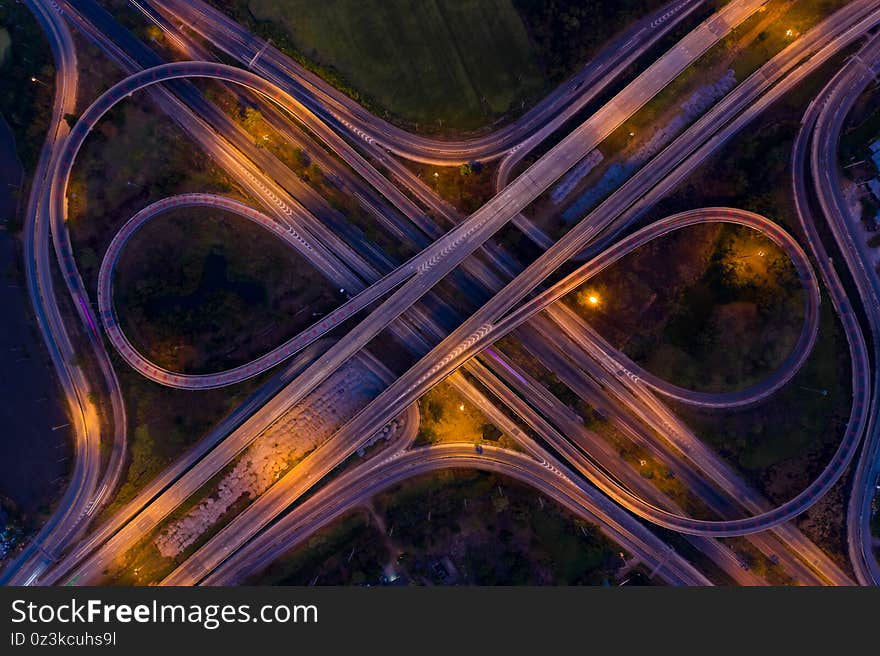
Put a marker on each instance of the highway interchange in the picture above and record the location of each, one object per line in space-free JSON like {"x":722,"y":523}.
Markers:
{"x":815,"y":152}
{"x":517,"y":302}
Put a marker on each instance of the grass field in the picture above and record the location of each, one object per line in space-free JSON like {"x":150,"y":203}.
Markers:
{"x":350,"y":551}
{"x":464,"y":63}
{"x":798,"y":427}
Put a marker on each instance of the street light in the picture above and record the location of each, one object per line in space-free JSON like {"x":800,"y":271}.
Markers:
{"x":592,"y":299}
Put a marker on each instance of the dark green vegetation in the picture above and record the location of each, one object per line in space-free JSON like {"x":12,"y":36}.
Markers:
{"x":456,"y":527}
{"x":467,"y":187}
{"x":862,"y":128}
{"x":201,"y":290}
{"x":723,"y":315}
{"x":24,"y":53}
{"x":711,"y":308}
{"x":5,"y":42}
{"x":440,"y":65}
{"x":739,"y":321}
{"x":568,"y":32}
{"x":797,"y":429}
{"x":446,"y":416}
{"x":495,"y":531}
{"x":351,"y":551}
{"x":133,"y":157}
{"x":435,"y":64}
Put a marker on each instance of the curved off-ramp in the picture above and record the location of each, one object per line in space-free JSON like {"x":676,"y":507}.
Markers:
{"x":358,"y":485}
{"x":461,"y":345}
{"x":144,"y":365}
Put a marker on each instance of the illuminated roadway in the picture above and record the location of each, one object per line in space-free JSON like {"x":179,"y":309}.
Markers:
{"x":447,"y":252}
{"x":816,"y":152}
{"x":623,"y":366}
{"x":335,"y":108}
{"x":87,"y":489}
{"x":653,"y":232}
{"x":474,"y":334}
{"x":100,"y":107}
{"x":766,"y":388}
{"x":130,"y":511}
{"x":510,"y":143}
{"x":349,"y":438}
{"x":357,"y":486}
{"x":575,"y":160}
{"x":532,"y":402}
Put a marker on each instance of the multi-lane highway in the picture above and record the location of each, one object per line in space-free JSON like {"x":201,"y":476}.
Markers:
{"x":446,"y":253}
{"x":358,"y":485}
{"x":511,"y":143}
{"x":449,"y":251}
{"x":712,"y":27}
{"x":352,"y":435}
{"x":92,"y":479}
{"x":337,"y":109}
{"x":816,"y":155}
{"x":469,"y":338}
